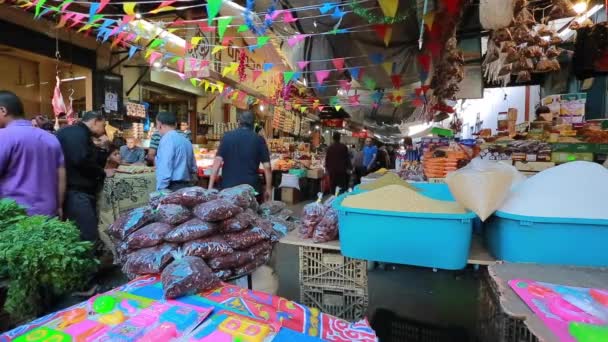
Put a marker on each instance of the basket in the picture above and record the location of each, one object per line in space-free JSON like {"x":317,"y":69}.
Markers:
{"x":391,"y":328}
{"x":330,"y":269}
{"x":347,"y":304}
{"x":493,"y":325}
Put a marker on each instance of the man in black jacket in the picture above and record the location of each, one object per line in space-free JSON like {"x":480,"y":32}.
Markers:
{"x":85,"y":173}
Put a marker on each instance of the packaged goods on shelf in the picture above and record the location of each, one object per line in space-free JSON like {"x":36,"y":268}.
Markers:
{"x":388,"y":179}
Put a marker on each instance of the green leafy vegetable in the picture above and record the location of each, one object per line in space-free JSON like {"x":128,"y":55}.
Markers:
{"x":37,"y":252}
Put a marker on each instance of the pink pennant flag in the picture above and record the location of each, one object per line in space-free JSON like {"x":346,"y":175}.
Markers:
{"x":321,"y":108}
{"x":182,"y":76}
{"x":193,"y":63}
{"x":354,"y":100}
{"x":375,"y":105}
{"x":303,"y":64}
{"x":338,"y":63}
{"x":126,"y":19}
{"x":274,"y":14}
{"x":131,"y":37}
{"x":344,"y":84}
{"x":204,"y":63}
{"x":321,"y":76}
{"x":154,"y":56}
{"x":102,"y":5}
{"x":241,"y":96}
{"x":64,"y":19}
{"x":288,"y":17}
{"x":295,"y":39}
{"x":77,"y":19}
{"x":256,"y":74}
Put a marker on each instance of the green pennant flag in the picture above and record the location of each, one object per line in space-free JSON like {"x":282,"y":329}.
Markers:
{"x":213,"y":8}
{"x":222,"y":25}
{"x":334,"y":101}
{"x":155,"y":43}
{"x":288,"y":75}
{"x":242,"y":28}
{"x":262,"y":40}
{"x":38,"y":7}
{"x":302,"y":109}
{"x":194,"y":82}
{"x":369,"y":83}
{"x":175,"y":59}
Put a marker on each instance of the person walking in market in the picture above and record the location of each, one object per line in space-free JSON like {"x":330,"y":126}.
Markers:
{"x":85,"y":172}
{"x":239,"y":156}
{"x":338,"y":164}
{"x":370,"y":153}
{"x":175,"y":164}
{"x":155,"y":141}
{"x":32,"y":170}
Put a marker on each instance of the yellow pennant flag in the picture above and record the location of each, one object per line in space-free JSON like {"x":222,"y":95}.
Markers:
{"x":388,"y":67}
{"x":129,"y":8}
{"x":148,"y":53}
{"x":163,"y":9}
{"x":338,"y":108}
{"x":235,"y":95}
{"x":429,"y":19}
{"x":389,"y":7}
{"x":388,"y":35}
{"x":207,"y":86}
{"x":220,"y":87}
{"x":195,"y":41}
{"x":217,"y":49}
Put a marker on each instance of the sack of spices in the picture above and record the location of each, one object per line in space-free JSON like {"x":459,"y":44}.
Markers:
{"x":157,"y":196}
{"x":187,"y":275}
{"x":151,"y":260}
{"x":130,"y":221}
{"x":210,"y":247}
{"x":241,"y":195}
{"x":148,"y":236}
{"x":312,"y":214}
{"x":272,"y":207}
{"x":246,"y":238}
{"x":216,"y":210}
{"x":327,"y":229}
{"x":223,"y":274}
{"x":229,"y":261}
{"x":268,"y":227}
{"x":251,"y":266}
{"x":172,"y":214}
{"x":191,"y":230}
{"x":260,"y":248}
{"x":239,"y":222}
{"x":189,"y":197}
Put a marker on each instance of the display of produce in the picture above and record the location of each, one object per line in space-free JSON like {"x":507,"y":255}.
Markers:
{"x":388,"y":179}
{"x":571,"y":190}
{"x":401,"y":199}
{"x":218,"y":232}
{"x":438,"y":161}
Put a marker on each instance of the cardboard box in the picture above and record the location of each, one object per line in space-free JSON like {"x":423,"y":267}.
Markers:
{"x":290,"y":195}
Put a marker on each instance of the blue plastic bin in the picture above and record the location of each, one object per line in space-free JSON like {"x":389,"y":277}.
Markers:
{"x":420,"y":239}
{"x":542,"y":240}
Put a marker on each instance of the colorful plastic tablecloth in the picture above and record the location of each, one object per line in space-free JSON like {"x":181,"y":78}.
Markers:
{"x":289,"y":320}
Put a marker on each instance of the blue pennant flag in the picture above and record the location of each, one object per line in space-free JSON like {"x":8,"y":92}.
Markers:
{"x":268,"y":66}
{"x":132,"y":50}
{"x":328,"y":6}
{"x":377,"y":96}
{"x":338,"y":13}
{"x":92,"y":10}
{"x":377,"y":58}
{"x":354,"y":73}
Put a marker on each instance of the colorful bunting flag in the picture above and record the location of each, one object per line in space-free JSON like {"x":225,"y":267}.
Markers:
{"x":388,"y":67}
{"x":303,"y":64}
{"x":163,"y":7}
{"x":344,"y":84}
{"x":154,"y":56}
{"x":132,"y":50}
{"x":287,"y":76}
{"x":338,"y":63}
{"x":222,"y":25}
{"x":268,"y":66}
{"x":377,"y":58}
{"x":389,"y":7}
{"x":129,"y":8}
{"x":180,"y":65}
{"x":242,"y":28}
{"x":262,"y":40}
{"x":93,"y":7}
{"x":213,"y":8}
{"x":354,"y":100}
{"x":288,"y":18}
{"x":256,"y":74}
{"x":396,"y":80}
{"x":354,"y":73}
{"x":194,"y":82}
{"x":39,"y":5}
{"x":338,"y":13}
{"x":385,"y":32}
{"x":338,"y":108}
{"x":296,"y":39}
{"x":369,"y":83}
{"x":326,"y":7}
{"x":217,"y":49}
{"x":321,"y":76}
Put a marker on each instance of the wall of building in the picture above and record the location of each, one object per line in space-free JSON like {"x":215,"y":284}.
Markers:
{"x":496,"y":100}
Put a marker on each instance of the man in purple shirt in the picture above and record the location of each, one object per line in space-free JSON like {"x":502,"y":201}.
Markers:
{"x":31,"y":161}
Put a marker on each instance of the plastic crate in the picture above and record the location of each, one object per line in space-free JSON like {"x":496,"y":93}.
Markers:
{"x":330,"y":269}
{"x":391,"y":328}
{"x":348,"y":304}
{"x":557,"y":241}
{"x":421,"y":239}
{"x":493,"y":325}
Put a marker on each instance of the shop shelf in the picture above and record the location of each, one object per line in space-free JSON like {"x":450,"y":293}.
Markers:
{"x":558,"y":241}
{"x":350,"y":305}
{"x":419,"y":239}
{"x":330,"y":269}
{"x":391,"y":328}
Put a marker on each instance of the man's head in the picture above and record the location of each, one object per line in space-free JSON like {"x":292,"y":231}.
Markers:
{"x":165,"y":122}
{"x":131,"y":143}
{"x":96,"y":123}
{"x":11,"y":108}
{"x":408,"y":142}
{"x":368,"y":142}
{"x":246,"y":119}
{"x":336,"y":137}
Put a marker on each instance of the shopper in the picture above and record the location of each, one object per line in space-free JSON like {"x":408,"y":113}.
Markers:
{"x":154,"y":141}
{"x":392,"y":157}
{"x":31,"y":161}
{"x":411,"y":153}
{"x":131,"y":153}
{"x":175,"y":163}
{"x":338,"y":164}
{"x":114,"y":159}
{"x":85,"y":172}
{"x":358,"y":166}
{"x":240,"y":154}
{"x":382,"y":159}
{"x":540,"y":111}
{"x":370,"y":152}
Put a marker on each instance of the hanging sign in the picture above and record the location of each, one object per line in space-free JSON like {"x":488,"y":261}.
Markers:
{"x":198,"y":54}
{"x":334,"y":123}
{"x":360,"y":135}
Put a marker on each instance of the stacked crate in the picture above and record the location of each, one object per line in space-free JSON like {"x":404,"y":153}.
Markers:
{"x":334,"y":284}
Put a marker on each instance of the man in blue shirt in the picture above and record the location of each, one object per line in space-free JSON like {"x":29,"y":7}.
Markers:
{"x":175,"y":163}
{"x":240,"y":154}
{"x":131,"y":153}
{"x":370,"y":152}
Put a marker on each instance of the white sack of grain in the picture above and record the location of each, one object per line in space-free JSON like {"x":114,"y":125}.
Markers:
{"x":482,"y":186}
{"x":496,"y":14}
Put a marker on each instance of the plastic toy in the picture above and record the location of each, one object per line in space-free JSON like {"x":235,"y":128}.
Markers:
{"x":244,"y":329}
{"x":112,"y":319}
{"x":182,"y":317}
{"x":104,"y":304}
{"x":164,"y":332}
{"x":44,"y":334}
{"x":600,"y":296}
{"x":71,"y":317}
{"x":81,"y":332}
{"x":587,"y":332}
